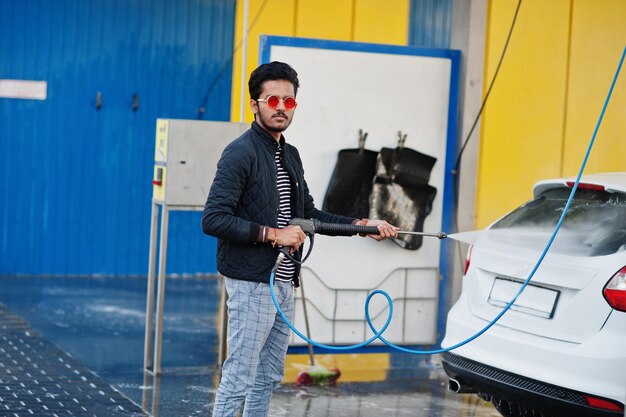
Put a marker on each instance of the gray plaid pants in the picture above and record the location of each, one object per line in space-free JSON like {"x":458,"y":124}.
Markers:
{"x":257,"y":344}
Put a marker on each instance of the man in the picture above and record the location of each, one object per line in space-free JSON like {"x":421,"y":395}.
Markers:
{"x":259,"y":186}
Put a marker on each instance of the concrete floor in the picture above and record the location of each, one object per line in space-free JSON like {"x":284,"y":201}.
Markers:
{"x":99,"y":322}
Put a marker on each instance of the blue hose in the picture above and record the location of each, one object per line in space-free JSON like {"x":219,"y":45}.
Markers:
{"x":378,"y":334}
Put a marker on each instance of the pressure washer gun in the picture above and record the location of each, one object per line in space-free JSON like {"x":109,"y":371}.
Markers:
{"x":312,"y":226}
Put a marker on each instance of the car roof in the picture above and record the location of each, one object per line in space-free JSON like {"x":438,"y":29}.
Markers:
{"x":612,"y":181}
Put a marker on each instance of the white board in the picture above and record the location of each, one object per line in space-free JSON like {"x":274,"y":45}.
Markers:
{"x":381,"y":89}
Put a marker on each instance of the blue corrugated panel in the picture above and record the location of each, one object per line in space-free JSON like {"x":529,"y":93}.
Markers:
{"x":75,"y":181}
{"x":430,"y":23}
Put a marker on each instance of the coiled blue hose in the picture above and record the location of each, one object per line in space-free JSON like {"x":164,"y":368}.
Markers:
{"x":378,"y":334}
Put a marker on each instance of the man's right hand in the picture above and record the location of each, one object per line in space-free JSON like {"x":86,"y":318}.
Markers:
{"x":290,"y":236}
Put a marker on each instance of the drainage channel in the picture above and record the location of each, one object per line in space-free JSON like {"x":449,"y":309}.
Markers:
{"x":39,"y":379}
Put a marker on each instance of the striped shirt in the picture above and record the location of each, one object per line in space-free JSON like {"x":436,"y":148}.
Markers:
{"x":287,"y":268}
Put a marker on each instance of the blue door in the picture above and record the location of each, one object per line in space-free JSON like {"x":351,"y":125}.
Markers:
{"x":76,"y":168}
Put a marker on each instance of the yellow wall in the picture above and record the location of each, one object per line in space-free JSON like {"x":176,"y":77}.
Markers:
{"x":264,"y":16}
{"x":598,"y":40}
{"x":346,"y":20}
{"x":522,"y":125}
{"x":381,"y":21}
{"x":548,"y":95}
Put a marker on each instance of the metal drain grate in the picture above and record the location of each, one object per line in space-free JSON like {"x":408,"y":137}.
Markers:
{"x":39,"y":379}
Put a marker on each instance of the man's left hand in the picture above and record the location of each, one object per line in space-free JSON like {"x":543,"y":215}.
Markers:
{"x":386,"y":230}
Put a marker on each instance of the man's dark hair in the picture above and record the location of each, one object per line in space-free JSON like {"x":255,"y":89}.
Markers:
{"x":268,"y":72}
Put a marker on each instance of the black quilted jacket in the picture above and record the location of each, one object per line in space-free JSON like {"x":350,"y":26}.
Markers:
{"x":244,"y":196}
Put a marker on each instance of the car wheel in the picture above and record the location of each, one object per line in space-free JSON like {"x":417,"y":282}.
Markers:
{"x":508,"y":409}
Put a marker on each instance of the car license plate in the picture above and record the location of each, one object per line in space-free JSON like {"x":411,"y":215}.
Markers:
{"x":534,"y":300}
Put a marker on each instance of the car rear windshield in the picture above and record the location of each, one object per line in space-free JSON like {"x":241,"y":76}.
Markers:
{"x":595,"y":224}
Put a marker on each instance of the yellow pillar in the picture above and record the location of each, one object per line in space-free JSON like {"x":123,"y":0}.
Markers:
{"x":598,"y":39}
{"x":523,"y":122}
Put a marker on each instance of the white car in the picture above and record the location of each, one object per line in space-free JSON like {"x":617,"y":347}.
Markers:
{"x":561,"y":348}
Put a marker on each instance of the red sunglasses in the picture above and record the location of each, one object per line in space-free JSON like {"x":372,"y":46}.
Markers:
{"x":272,"y":102}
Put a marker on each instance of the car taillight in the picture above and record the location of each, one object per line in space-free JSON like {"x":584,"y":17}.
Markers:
{"x":597,"y":402}
{"x":468,"y":259}
{"x":615,"y":290}
{"x":585,"y":186}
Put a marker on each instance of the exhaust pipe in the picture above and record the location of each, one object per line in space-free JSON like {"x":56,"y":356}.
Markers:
{"x":459,"y":387}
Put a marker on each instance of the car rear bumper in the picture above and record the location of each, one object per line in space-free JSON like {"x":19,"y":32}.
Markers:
{"x":517,"y":389}
{"x":596,"y":367}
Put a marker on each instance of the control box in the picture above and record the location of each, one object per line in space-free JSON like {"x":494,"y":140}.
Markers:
{"x":186,"y":156}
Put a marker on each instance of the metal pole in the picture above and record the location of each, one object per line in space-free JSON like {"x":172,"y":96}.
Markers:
{"x":306,"y":322}
{"x":158,"y":336}
{"x":223,"y":325}
{"x":439,"y":235}
{"x":244,"y":53}
{"x":147,"y":353}
{"x":156,"y":395}
{"x":145,"y":397}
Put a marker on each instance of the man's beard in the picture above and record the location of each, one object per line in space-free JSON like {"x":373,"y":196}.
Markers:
{"x":274,"y":128}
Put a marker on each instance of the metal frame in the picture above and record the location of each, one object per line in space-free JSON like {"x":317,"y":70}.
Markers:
{"x":153,"y":350}
{"x":365,"y":291}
